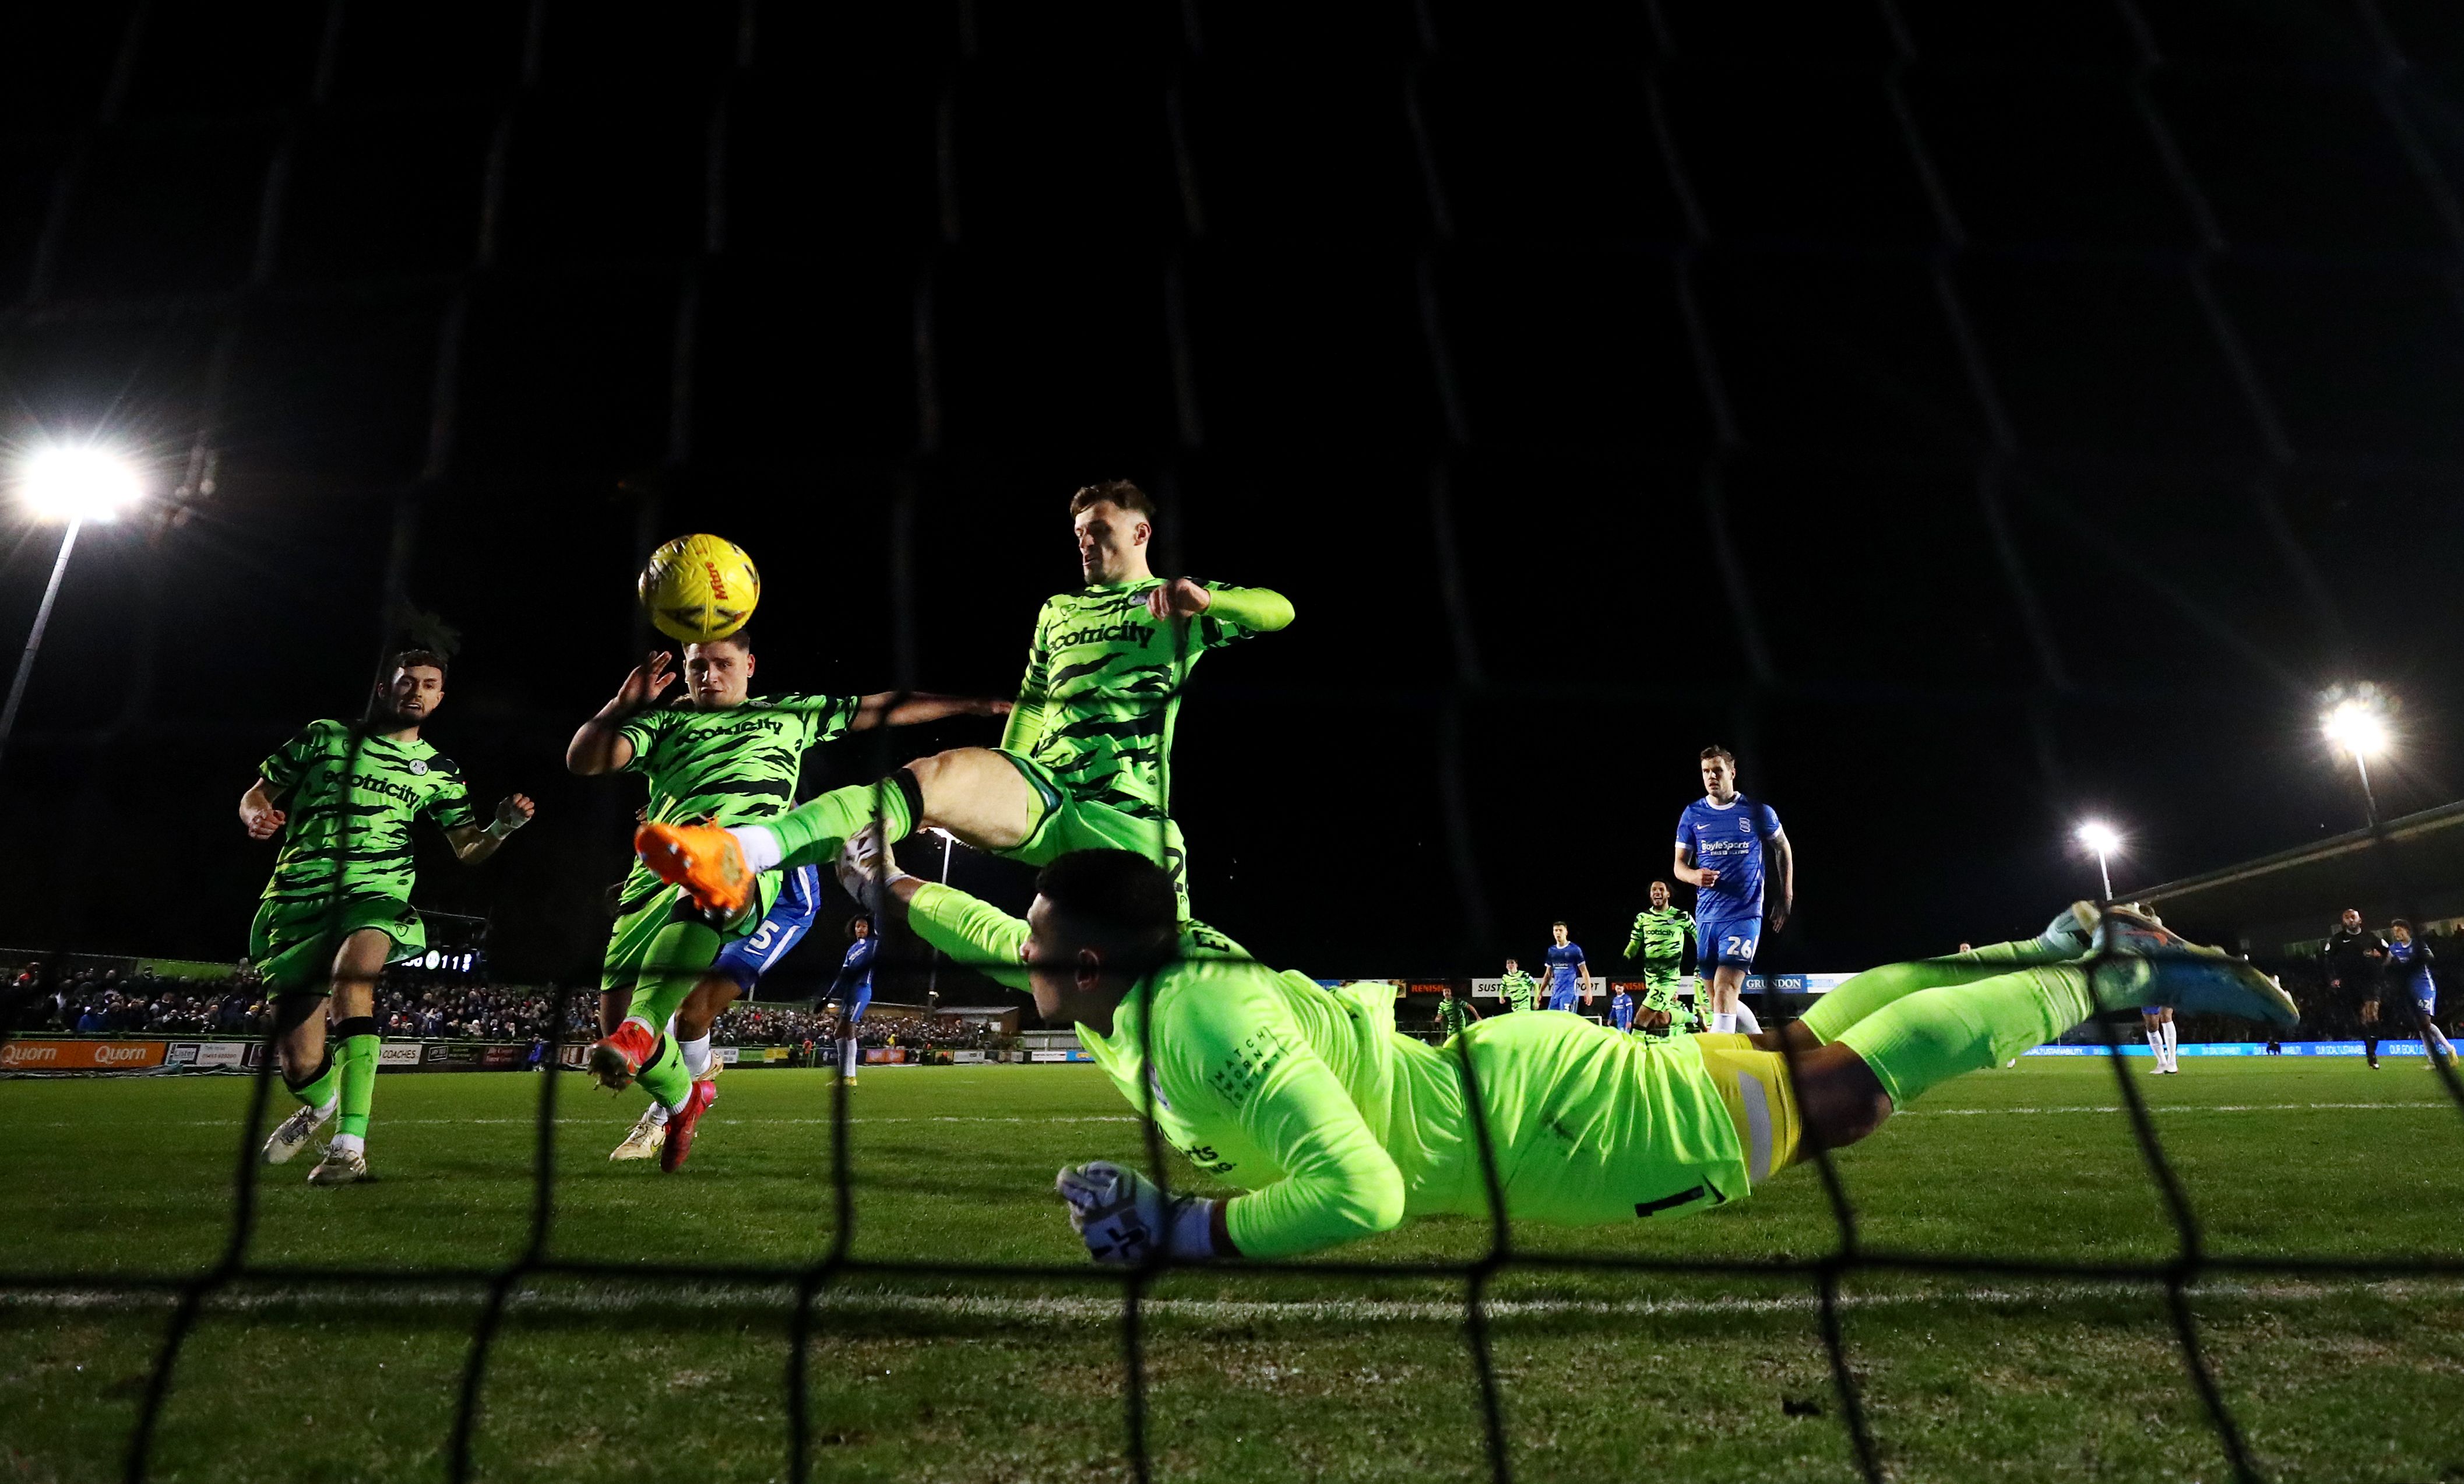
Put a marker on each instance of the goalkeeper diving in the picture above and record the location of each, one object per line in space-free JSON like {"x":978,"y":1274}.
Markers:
{"x":1336,"y":1127}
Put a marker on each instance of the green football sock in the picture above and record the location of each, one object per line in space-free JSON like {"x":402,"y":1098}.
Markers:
{"x":1877,"y":988}
{"x":319,"y":1088}
{"x":359,"y":1060}
{"x":813,"y":831}
{"x":680,"y":957}
{"x":663,"y":1076}
{"x":2023,"y":952}
{"x":1932,"y":1036}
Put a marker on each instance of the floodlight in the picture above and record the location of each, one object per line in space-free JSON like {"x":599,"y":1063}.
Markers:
{"x":80,"y":482}
{"x":2355,"y":728}
{"x":2099,"y":836}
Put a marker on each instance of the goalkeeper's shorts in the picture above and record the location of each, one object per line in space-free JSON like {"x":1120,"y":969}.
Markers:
{"x":1065,"y":822}
{"x":1760,"y":1097}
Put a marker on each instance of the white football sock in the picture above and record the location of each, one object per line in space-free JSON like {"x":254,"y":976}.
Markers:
{"x":2172,"y":1047}
{"x":658,"y":1112}
{"x":350,"y":1144}
{"x":696,"y":1054}
{"x":761,"y":847}
{"x":1747,"y":1020}
{"x":846,"y":1057}
{"x":1723,"y":1023}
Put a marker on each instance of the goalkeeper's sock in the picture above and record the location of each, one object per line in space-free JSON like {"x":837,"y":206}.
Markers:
{"x":663,"y":1076}
{"x":813,"y":831}
{"x":321,"y":1087}
{"x":1877,"y":988}
{"x":1932,"y":1036}
{"x":696,"y":1054}
{"x":359,"y":1058}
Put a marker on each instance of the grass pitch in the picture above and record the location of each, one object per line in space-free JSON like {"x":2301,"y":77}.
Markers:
{"x":1251,"y":1377}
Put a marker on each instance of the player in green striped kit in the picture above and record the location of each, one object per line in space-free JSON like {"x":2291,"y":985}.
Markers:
{"x":1519,"y":990}
{"x":1660,"y":933}
{"x":1336,"y":1128}
{"x":1085,"y":761}
{"x":722,"y":754}
{"x":1456,"y":1014}
{"x":338,"y":908}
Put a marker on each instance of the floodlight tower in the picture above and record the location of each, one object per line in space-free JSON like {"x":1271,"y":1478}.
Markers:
{"x":2102,"y":839}
{"x":71,"y":483}
{"x":2359,"y":725}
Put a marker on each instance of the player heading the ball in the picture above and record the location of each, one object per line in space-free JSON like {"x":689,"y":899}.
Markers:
{"x":717,"y":753}
{"x":1087,"y":760}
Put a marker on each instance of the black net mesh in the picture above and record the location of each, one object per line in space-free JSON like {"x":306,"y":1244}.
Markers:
{"x":2062,"y":340}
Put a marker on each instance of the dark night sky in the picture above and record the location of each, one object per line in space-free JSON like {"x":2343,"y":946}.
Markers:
{"x":1864,"y":387}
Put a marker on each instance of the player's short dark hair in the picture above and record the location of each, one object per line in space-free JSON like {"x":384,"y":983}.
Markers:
{"x":414,"y":659}
{"x":1715,"y":750}
{"x":2398,"y":922}
{"x":1559,"y":922}
{"x":1119,"y":898}
{"x":865,"y":918}
{"x":1119,"y":491}
{"x":741,"y":638}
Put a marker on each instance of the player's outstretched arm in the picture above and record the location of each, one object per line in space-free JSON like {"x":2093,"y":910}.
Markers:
{"x":258,"y":811}
{"x":1240,"y":611}
{"x":914,"y":708}
{"x":473,"y":844}
{"x":1340,"y":1183}
{"x":601,"y":745}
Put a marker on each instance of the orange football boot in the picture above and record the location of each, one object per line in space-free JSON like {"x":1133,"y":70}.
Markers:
{"x":615,"y":1060}
{"x":702,"y":859}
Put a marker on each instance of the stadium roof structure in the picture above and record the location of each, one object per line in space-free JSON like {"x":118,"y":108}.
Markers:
{"x":2410,"y":867}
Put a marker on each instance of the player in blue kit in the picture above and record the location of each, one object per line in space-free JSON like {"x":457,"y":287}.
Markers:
{"x":1722,"y":842}
{"x":1566,"y":971}
{"x":1621,"y":1010}
{"x":2408,"y":968}
{"x":852,"y":990}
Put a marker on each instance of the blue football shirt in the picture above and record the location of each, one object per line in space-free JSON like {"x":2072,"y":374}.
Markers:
{"x":2408,"y":965}
{"x":1563,"y":958}
{"x":1729,"y":837}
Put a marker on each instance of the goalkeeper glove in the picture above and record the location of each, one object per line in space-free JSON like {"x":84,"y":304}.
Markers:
{"x":1124,"y":1220}
{"x":867,"y":870}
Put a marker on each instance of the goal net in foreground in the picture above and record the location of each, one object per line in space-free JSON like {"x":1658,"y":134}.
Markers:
{"x":1963,"y":417}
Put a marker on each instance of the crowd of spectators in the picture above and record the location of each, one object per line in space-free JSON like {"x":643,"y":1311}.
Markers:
{"x":95,"y":1001}
{"x":771,"y":1025}
{"x":105,"y":1001}
{"x":92,"y":1002}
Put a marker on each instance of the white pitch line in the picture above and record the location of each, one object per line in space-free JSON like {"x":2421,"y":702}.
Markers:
{"x":2194,"y":1107}
{"x":721,"y":1120}
{"x":1051,"y":1308}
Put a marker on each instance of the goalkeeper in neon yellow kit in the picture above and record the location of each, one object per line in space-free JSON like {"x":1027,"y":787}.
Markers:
{"x":1336,"y":1127}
